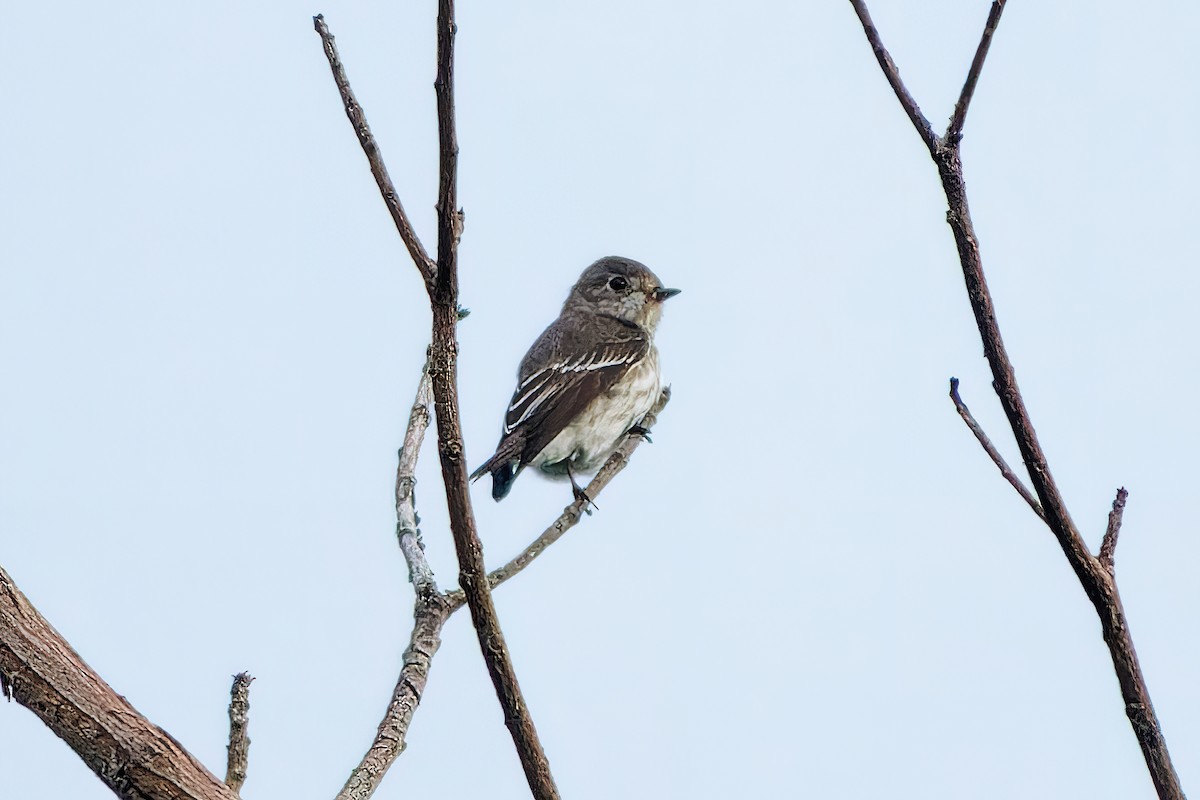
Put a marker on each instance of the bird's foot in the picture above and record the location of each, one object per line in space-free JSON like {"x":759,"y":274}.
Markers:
{"x":638,"y":430}
{"x":580,"y":494}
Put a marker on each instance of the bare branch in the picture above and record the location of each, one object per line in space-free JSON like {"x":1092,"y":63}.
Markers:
{"x":407,"y":533}
{"x":132,"y":756}
{"x":391,"y":738}
{"x":954,"y":131}
{"x":945,"y":154}
{"x":441,"y":282}
{"x":572,"y":513}
{"x":1108,"y":546}
{"x":444,"y":370}
{"x":892,"y":74}
{"x":358,"y":119}
{"x":430,"y":613}
{"x":1096,"y":580}
{"x":992,"y":452}
{"x":239,"y":737}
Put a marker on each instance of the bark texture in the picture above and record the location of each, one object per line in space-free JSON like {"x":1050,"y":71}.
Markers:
{"x":135,"y":758}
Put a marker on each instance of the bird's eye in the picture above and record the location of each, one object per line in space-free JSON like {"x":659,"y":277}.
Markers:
{"x":618,"y":284}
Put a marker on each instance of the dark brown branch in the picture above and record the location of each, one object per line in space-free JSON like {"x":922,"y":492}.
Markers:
{"x":1108,"y":546}
{"x":239,"y":737}
{"x":572,"y":513}
{"x":370,"y":147}
{"x":992,"y":452}
{"x":907,"y":101}
{"x":444,"y":370}
{"x":1096,"y":580}
{"x":133,"y":757}
{"x":954,"y":131}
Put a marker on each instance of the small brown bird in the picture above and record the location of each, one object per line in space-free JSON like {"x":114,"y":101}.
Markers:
{"x":588,"y":379}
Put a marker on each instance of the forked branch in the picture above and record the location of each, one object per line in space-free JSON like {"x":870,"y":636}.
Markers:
{"x":1094,"y":574}
{"x":442,"y":285}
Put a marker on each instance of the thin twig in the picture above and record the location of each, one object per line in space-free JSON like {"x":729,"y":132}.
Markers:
{"x":890,"y":71}
{"x":239,"y":737}
{"x":1097,"y":582}
{"x":572,"y":513}
{"x":992,"y":452}
{"x":1108,"y":546}
{"x":370,"y":147}
{"x":954,"y":131}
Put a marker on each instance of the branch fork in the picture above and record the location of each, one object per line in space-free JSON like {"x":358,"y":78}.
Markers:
{"x":1095,"y":573}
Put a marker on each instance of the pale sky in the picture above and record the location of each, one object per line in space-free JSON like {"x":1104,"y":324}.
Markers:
{"x":813,"y":584}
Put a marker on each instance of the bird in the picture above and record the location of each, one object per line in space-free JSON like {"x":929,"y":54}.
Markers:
{"x":589,"y":379}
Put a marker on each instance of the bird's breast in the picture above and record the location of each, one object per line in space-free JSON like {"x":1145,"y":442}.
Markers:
{"x":590,"y":438}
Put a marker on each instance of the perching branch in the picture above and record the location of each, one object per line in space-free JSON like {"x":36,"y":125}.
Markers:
{"x":132,"y":756}
{"x":572,"y":513}
{"x":239,"y":737}
{"x":433,"y":608}
{"x":992,"y":452}
{"x":1096,"y":580}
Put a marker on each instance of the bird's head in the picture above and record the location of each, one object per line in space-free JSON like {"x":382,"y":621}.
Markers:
{"x":621,"y":288}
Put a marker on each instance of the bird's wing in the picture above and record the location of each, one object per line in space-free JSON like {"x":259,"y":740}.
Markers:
{"x":549,"y":396}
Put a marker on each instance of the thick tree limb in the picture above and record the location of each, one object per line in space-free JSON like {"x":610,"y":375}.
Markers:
{"x":238,"y":758}
{"x":134,"y":757}
{"x":992,"y":452}
{"x":1096,"y":580}
{"x":358,"y":119}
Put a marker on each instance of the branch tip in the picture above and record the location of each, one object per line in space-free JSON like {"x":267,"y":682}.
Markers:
{"x":959,"y":118}
{"x":237,"y":761}
{"x":358,"y":120}
{"x":1108,"y":546}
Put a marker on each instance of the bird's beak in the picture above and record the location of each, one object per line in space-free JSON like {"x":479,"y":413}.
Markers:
{"x":660,"y":294}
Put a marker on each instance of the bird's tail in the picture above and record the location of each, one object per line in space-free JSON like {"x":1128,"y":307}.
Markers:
{"x":504,"y":472}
